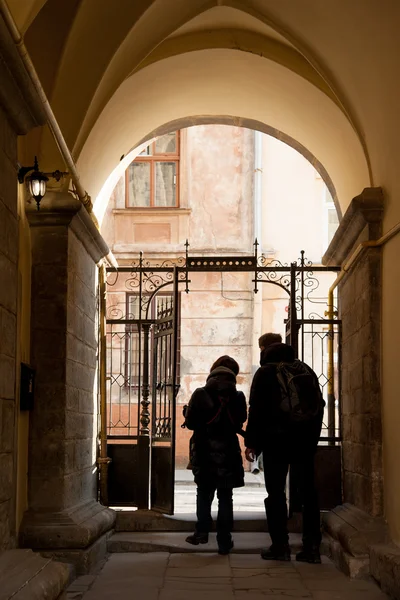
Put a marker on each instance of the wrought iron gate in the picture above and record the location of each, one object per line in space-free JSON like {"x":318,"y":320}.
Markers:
{"x":142,"y":340}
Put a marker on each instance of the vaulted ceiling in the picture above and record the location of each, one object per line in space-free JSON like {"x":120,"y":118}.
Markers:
{"x":320,"y":72}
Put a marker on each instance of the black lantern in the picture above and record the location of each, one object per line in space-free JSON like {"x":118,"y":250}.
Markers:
{"x":37,"y":184}
{"x":37,"y":181}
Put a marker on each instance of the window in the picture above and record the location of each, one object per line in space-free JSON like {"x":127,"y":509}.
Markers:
{"x":151,"y":180}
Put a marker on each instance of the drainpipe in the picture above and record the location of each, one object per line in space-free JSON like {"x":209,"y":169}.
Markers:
{"x":51,"y":120}
{"x":359,"y":251}
{"x":257,"y":229}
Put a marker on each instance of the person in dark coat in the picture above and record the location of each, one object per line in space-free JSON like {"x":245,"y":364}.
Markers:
{"x":216,"y":414}
{"x":283,"y":443}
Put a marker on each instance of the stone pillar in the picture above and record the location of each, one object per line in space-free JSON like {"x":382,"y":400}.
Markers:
{"x":359,"y":521}
{"x":360,"y":311}
{"x":64,"y":517}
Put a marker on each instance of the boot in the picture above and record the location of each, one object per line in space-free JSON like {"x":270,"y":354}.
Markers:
{"x":225,"y":545}
{"x":309,"y":555}
{"x":276,"y":553}
{"x":197,"y":538}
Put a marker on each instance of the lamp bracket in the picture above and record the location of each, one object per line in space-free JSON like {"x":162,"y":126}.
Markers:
{"x":22,"y":172}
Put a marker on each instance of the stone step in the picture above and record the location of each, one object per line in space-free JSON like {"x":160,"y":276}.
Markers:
{"x":173,"y":542}
{"x":151,"y":521}
{"x":25,"y":575}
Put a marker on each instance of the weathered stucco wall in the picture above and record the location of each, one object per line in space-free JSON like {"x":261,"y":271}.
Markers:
{"x":219,"y":176}
{"x":8,"y":330}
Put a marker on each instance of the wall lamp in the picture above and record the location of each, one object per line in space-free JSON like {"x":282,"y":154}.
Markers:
{"x":37,"y":181}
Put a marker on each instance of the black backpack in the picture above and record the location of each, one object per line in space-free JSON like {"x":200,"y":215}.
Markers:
{"x":301,"y":397}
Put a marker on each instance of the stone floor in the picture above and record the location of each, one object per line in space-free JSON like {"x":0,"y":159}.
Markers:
{"x":164,"y":576}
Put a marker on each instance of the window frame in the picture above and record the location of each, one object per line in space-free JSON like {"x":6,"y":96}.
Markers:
{"x":152,"y":159}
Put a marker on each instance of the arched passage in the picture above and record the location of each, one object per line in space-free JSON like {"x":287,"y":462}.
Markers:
{"x":104,"y":194}
{"x":212,"y":83}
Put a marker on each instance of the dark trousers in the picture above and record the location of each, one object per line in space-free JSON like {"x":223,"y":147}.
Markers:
{"x":276,"y":465}
{"x":205,"y":496}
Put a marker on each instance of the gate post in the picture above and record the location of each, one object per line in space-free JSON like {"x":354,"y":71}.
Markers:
{"x":103,"y":460}
{"x":144,"y":431}
{"x":294,"y":329}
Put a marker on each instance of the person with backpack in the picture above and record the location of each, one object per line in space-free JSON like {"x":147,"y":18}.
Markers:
{"x":215,"y":414}
{"x":285,"y":418}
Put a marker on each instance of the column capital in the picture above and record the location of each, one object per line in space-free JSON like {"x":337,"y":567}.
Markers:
{"x":64,"y":209}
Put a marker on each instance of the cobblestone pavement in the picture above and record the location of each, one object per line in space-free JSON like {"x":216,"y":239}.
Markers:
{"x":163,"y":576}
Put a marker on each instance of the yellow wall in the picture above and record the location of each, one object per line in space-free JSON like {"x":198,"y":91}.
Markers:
{"x":23,"y":352}
{"x":391,"y":384}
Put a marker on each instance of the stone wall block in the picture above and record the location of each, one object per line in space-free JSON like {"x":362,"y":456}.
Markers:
{"x":70,"y":458}
{"x":8,"y":233}
{"x":78,"y":487}
{"x":80,"y":352}
{"x":80,"y":376}
{"x":84,"y":456}
{"x":8,"y":328}
{"x":81,"y":326}
{"x":84,"y":298}
{"x":49,"y":344}
{"x":49,"y":246}
{"x":7,"y":377}
{"x":80,"y":261}
{"x":356,"y":373}
{"x":50,"y":422}
{"x":7,"y":417}
{"x":72,"y":398}
{"x":48,"y":314}
{"x":8,"y":183}
{"x":78,"y":426}
{"x":43,"y":494}
{"x":87,"y":403}
{"x":9,"y":141}
{"x":371,"y":375}
{"x":5,"y":519}
{"x":6,"y":476}
{"x":8,"y":284}
{"x":49,"y":369}
{"x":50,"y":281}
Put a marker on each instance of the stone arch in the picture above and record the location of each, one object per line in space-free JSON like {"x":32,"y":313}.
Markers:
{"x":103,"y":197}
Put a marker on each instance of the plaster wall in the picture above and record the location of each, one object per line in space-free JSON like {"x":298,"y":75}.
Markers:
{"x":23,"y":350}
{"x":293,"y":194}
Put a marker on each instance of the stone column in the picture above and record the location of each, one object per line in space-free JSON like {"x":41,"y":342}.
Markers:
{"x":64,"y":517}
{"x":359,"y":521}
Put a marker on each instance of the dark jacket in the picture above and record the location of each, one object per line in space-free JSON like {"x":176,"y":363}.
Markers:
{"x":216,"y":414}
{"x":267,"y":423}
